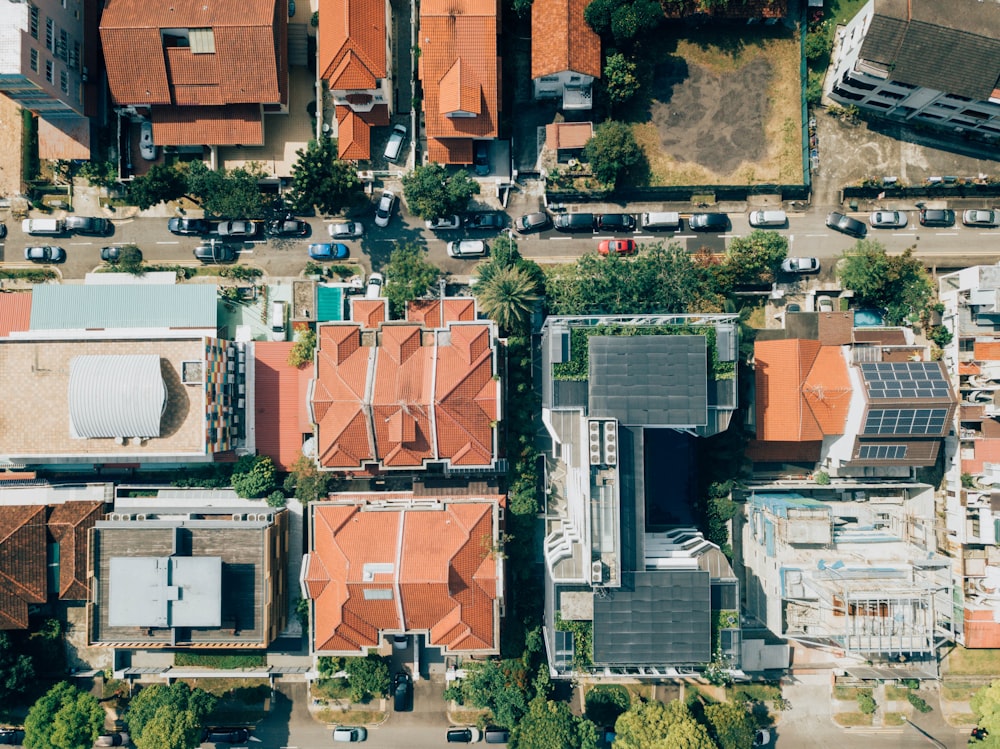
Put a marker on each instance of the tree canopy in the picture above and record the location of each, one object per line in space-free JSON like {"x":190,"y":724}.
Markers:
{"x":231,"y":194}
{"x":431,"y":192}
{"x":613,"y":152}
{"x":367,"y":677}
{"x":986,"y":705}
{"x":254,"y":476}
{"x":17,"y":670}
{"x":407,"y":276}
{"x":731,"y":725}
{"x":63,"y":718}
{"x":899,"y":284}
{"x":168,"y":717}
{"x":500,"y":686}
{"x":621,"y":78}
{"x":551,"y":725}
{"x":321,"y":179}
{"x":160,"y":184}
{"x":753,"y":259}
{"x":654,"y":725}
{"x":624,"y":20}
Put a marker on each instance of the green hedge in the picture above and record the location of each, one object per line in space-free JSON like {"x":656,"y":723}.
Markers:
{"x":217,"y":660}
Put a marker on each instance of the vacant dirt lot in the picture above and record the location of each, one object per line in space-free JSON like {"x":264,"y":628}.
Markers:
{"x":725,"y":110}
{"x":11,"y":133}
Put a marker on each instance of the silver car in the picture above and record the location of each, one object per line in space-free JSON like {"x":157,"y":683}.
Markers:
{"x":887,"y":219}
{"x":989,"y":219}
{"x":346,"y":230}
{"x":383,"y":212}
{"x":800,"y":265}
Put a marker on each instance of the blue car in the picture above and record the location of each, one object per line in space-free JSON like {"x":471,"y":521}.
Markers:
{"x":329,"y":251}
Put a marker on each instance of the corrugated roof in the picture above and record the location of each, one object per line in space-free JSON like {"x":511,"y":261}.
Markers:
{"x":280,"y":403}
{"x":116,"y":396}
{"x":58,"y":307}
{"x":15,"y":312}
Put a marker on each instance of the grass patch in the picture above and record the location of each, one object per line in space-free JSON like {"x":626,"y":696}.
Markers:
{"x":973,"y":662}
{"x":331,"y":689}
{"x":350,"y":717}
{"x":892,"y":692}
{"x":470,"y":717}
{"x":848,"y":693}
{"x":852,"y":719}
{"x":893,"y":719}
{"x":247,"y":691}
{"x":31,"y":275}
{"x":219,"y":661}
{"x":757,"y":318}
{"x":755,"y":692}
{"x":959,"y":690}
{"x":962,"y":720}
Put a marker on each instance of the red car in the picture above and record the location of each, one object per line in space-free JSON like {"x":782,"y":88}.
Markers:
{"x":617,"y":247}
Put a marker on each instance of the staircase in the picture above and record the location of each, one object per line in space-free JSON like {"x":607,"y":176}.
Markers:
{"x":298,"y":45}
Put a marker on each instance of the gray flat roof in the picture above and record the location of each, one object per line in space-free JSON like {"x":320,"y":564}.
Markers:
{"x":165,"y":592}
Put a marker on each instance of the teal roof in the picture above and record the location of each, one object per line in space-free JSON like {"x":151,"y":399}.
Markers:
{"x":127,"y":306}
{"x":779,"y":503}
{"x":329,"y":303}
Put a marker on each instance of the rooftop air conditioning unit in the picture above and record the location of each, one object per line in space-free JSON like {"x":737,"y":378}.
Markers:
{"x":595,"y":442}
{"x":610,"y":443}
{"x":597,"y":572}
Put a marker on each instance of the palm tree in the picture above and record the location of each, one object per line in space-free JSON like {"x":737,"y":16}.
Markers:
{"x":507,"y":296}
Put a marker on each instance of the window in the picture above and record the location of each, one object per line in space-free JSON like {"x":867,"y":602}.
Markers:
{"x":956,"y":97}
{"x":879,"y":104}
{"x":34,"y":59}
{"x":48,"y":71}
{"x":902,"y":85}
{"x":64,"y":81}
{"x":50,"y":35}
{"x":74,"y":56}
{"x":63,"y":45}
{"x":34,"y":22}
{"x":891,"y":94}
{"x":942,"y":105}
{"x":975,"y":114}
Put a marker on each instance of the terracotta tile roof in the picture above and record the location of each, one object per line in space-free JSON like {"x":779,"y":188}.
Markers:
{"x":132,"y":78}
{"x":447,"y":587}
{"x":70,"y":524}
{"x":378,"y":116}
{"x":459,"y":69}
{"x":968,"y":368}
{"x":369,"y":312}
{"x":568,"y":135}
{"x":233,"y":124}
{"x":565,"y":39}
{"x":23,"y":572}
{"x":425,"y":396}
{"x":803,"y":390}
{"x":15,"y":312}
{"x":354,"y":30}
{"x":433,"y":313}
{"x":783,"y":452}
{"x":280,"y":403}
{"x":986,"y":350}
{"x":981,"y":629}
{"x":984,"y":451}
{"x":354,"y":136}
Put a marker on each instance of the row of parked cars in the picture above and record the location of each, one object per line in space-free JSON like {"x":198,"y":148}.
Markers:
{"x":931,"y":217}
{"x":593,"y":223}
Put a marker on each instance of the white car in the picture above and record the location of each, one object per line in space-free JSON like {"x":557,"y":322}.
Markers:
{"x":347,"y":230}
{"x":467,"y":248}
{"x":446,"y":222}
{"x":147,"y":149}
{"x":384,"y":209}
{"x":761,"y":737}
{"x":800,"y":265}
{"x":375,"y":283}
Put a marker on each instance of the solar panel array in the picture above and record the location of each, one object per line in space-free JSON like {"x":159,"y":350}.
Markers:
{"x":882,"y":452}
{"x":892,"y":380}
{"x":905,"y":421}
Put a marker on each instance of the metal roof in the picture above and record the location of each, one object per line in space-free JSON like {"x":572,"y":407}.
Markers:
{"x":127,"y":306}
{"x":116,"y":396}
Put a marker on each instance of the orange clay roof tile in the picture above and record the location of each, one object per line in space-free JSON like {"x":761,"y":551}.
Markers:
{"x":231,"y":124}
{"x":280,"y":403}
{"x":356,"y":28}
{"x":369,"y":312}
{"x":353,"y":136}
{"x":562,"y":39}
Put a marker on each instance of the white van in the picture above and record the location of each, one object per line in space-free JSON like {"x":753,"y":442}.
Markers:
{"x":662,"y":221}
{"x":279,"y":311}
{"x":768,"y":218}
{"x":43,"y":226}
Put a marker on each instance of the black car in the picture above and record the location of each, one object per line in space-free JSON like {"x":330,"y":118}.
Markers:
{"x":215,"y":252}
{"x":575,"y":222}
{"x":937,"y":217}
{"x":225,"y":735}
{"x":3,"y":230}
{"x":464,"y":735}
{"x":11,"y":736}
{"x":492,"y":220}
{"x":288,"y":227}
{"x":532,"y":222}
{"x":616,"y":222}
{"x":709,"y":222}
{"x":188,"y":226}
{"x":402,"y":692}
{"x":846,"y":224}
{"x":481,"y":157}
{"x":114,"y":253}
{"x":88,"y":225}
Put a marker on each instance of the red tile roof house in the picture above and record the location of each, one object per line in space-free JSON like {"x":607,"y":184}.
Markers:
{"x":460,"y":74}
{"x":565,"y":53}
{"x":204,"y":71}
{"x":395,"y":563}
{"x":354,"y":58}
{"x":407,"y":394}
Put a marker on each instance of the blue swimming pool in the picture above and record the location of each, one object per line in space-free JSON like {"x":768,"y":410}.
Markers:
{"x":867,"y":318}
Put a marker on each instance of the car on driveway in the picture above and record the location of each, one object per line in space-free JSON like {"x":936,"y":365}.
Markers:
{"x":467,"y":735}
{"x":487,"y":220}
{"x":112,"y":739}
{"x":329,"y":251}
{"x":394,"y":146}
{"x":481,"y":157}
{"x":383,"y":211}
{"x":239,"y":229}
{"x":402,"y":692}
{"x":288,"y":227}
{"x":346,"y":230}
{"x":443,"y":223}
{"x":761,"y":737}
{"x":147,"y":149}
{"x":989,"y":219}
{"x":45,"y":254}
{"x":709,"y":222}
{"x":373,"y":289}
{"x":617,"y":247}
{"x":187,"y":226}
{"x":11,"y":736}
{"x":887,"y":219}
{"x":113,"y":253}
{"x":215,"y":252}
{"x":350,"y":734}
{"x":89,"y":225}
{"x":941,"y":217}
{"x":615,"y":222}
{"x":467,"y":248}
{"x":800,"y":265}
{"x":532,"y":222}
{"x":846,"y":225}
{"x":225,"y":735}
{"x":3,"y":230}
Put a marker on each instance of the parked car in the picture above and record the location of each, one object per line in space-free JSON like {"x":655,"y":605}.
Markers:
{"x":187,"y":226}
{"x":492,"y":220}
{"x":617,"y":247}
{"x":575,"y":222}
{"x":469,"y":735}
{"x":400,"y":642}
{"x":532,"y":222}
{"x":11,"y":736}
{"x":709,"y":222}
{"x":887,"y":219}
{"x":3,"y":230}
{"x":373,"y":290}
{"x":763,"y":219}
{"x":215,"y":252}
{"x":89,"y":225}
{"x":225,"y":735}
{"x":384,"y":209}
{"x":937,"y":217}
{"x":350,"y":733}
{"x":800,"y":265}
{"x":395,"y":144}
{"x":989,"y":219}
{"x":761,"y":737}
{"x":346,"y":230}
{"x":112,"y":739}
{"x":288,"y":227}
{"x":443,"y":223}
{"x":615,"y":222}
{"x":468,"y":248}
{"x":239,"y":229}
{"x":402,"y":692}
{"x":481,"y":157}
{"x":846,"y":224}
{"x":147,"y":149}
{"x":45,"y":254}
{"x":824,"y":304}
{"x":495,"y":735}
{"x":113,"y":253}
{"x":329,"y":251}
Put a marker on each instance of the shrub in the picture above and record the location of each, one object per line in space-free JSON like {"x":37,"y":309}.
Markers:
{"x":866,"y":703}
{"x":823,"y":478}
{"x":276,"y":499}
{"x":918,"y":702}
{"x":303,"y":349}
{"x":255,"y":477}
{"x":606,"y":702}
{"x":220,"y":661}
{"x":816,"y":46}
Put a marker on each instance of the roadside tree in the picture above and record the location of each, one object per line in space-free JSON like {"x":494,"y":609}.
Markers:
{"x":64,"y":718}
{"x":321,"y":179}
{"x":254,"y":476}
{"x":408,"y":276}
{"x":613,"y":152}
{"x":17,"y":670}
{"x":508,"y":298}
{"x":551,"y":725}
{"x":306,"y":482}
{"x":231,"y":194}
{"x":168,"y":713}
{"x":431,"y":192}
{"x":367,"y":677}
{"x":899,"y":284}
{"x":654,"y":725}
{"x":731,"y":725}
{"x":160,"y":184}
{"x":130,"y":260}
{"x":753,"y":259}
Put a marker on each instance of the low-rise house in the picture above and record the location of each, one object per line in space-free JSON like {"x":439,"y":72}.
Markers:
{"x":923,"y":62}
{"x":565,"y":53}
